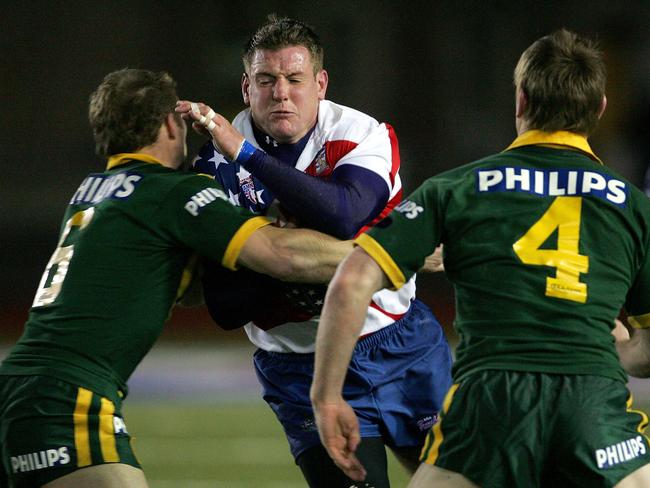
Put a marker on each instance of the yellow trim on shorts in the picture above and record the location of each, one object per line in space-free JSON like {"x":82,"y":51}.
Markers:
{"x":644,"y":418}
{"x":239,"y":239}
{"x":384,"y":260}
{"x":640,"y":321}
{"x":107,"y":442}
{"x":431,"y":456}
{"x":80,"y":419}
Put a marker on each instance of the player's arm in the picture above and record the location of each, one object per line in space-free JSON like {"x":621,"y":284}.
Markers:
{"x":346,"y":303}
{"x":339,"y":205}
{"x":634,"y":352}
{"x":299,"y":255}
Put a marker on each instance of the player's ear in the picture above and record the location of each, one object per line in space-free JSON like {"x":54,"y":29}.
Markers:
{"x":245,"y":86}
{"x":172,"y":126}
{"x":322,"y":78}
{"x":521,"y":103}
{"x":603,"y":106}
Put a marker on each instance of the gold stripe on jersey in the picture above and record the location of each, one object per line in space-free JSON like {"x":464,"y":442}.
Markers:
{"x":640,"y":321}
{"x":430,"y":452}
{"x":186,"y":277}
{"x":384,"y":260}
{"x":107,"y":441}
{"x":80,"y":420}
{"x":122,"y":158}
{"x":239,"y":239}
{"x":557,"y":139}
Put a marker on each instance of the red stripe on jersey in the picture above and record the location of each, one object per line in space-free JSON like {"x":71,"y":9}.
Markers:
{"x":394,"y":316}
{"x":394,"y":146}
{"x":335,"y":150}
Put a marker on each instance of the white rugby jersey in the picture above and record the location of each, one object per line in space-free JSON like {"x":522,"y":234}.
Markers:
{"x":342,"y":136}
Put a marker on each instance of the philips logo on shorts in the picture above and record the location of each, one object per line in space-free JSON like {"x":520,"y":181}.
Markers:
{"x":621,"y":452}
{"x":98,"y":187}
{"x":119,"y":427}
{"x":203,"y":198}
{"x":409,"y":209}
{"x":560,"y":182}
{"x":40,"y":460}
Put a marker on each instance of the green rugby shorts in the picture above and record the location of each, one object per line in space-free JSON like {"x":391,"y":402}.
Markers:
{"x":509,"y":428}
{"x":50,"y":428}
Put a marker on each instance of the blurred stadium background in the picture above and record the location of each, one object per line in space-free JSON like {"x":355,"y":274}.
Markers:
{"x":439,"y":72}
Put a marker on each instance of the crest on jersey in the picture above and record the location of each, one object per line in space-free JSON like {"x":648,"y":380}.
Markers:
{"x":319,"y":165}
{"x":248,"y":188}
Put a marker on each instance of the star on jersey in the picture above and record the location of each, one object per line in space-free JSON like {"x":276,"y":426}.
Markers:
{"x":234,"y":198}
{"x":217,"y":158}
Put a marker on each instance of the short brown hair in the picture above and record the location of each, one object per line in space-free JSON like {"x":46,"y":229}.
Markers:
{"x":278,"y":33}
{"x":127,"y":108}
{"x":563,"y":76}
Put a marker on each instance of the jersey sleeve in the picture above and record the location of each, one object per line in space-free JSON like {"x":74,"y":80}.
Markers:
{"x":377,"y":152}
{"x":401,"y":242}
{"x":201,"y":217}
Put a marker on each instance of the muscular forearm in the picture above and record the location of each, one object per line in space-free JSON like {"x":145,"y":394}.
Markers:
{"x":299,"y":255}
{"x":343,"y":316}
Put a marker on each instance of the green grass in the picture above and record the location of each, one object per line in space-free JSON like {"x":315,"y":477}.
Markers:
{"x":201,"y":446}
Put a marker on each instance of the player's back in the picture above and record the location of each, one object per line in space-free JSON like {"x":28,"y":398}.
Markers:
{"x":111,"y":282}
{"x":542,"y":245}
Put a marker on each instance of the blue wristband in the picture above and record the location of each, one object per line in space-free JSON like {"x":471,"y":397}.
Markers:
{"x":245,"y":152}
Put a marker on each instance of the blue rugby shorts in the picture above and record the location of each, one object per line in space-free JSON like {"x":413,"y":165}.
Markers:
{"x":396,"y":383}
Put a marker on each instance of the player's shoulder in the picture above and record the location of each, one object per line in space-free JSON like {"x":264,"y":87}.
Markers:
{"x":342,"y":122}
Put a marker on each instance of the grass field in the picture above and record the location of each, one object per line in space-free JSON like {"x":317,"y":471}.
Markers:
{"x":220,"y":445}
{"x":198,"y":421}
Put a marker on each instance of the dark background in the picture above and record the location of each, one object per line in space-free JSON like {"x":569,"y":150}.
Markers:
{"x":439,"y":72}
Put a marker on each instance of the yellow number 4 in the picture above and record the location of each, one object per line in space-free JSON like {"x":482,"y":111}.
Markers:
{"x":563,"y":215}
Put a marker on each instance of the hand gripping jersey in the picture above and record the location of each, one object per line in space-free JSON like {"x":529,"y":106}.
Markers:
{"x":127,"y":238}
{"x":544,"y":246}
{"x":342,"y":136}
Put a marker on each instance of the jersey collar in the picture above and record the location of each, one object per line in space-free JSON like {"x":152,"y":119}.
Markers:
{"x":123,"y":158}
{"x":563,"y":138}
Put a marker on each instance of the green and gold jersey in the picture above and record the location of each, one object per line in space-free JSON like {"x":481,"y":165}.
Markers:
{"x":122,"y":259}
{"x":544,"y":246}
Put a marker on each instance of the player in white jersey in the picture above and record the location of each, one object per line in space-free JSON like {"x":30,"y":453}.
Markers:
{"x":317,"y":164}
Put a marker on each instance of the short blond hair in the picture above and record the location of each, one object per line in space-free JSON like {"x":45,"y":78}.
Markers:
{"x":563,"y":77}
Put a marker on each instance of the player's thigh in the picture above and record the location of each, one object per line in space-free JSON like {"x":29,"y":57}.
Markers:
{"x":638,"y":479}
{"x":429,"y":476}
{"x":103,"y":476}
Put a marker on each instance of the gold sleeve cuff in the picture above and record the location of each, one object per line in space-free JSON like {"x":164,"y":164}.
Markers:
{"x":239,"y":239}
{"x":640,"y":321}
{"x":385,"y":262}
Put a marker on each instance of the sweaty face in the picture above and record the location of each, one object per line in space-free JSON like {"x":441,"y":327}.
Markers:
{"x":283,"y":92}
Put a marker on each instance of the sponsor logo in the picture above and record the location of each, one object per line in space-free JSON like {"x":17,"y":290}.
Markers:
{"x":561,"y":182}
{"x":203,"y":198}
{"x":40,"y":460}
{"x":621,"y":452}
{"x":98,"y":187}
{"x":425,"y":423}
{"x":409,"y":209}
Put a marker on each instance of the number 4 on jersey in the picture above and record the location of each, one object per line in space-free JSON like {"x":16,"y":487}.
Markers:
{"x":563,"y":215}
